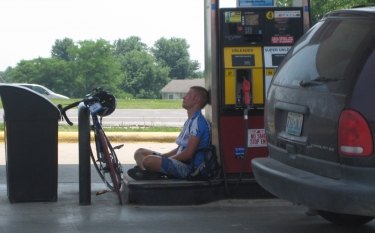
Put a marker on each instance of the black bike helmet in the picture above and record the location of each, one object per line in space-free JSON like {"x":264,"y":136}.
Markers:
{"x":108,"y":103}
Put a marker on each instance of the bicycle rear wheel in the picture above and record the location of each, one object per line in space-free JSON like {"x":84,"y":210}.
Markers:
{"x":113,"y":164}
{"x":98,"y":167}
{"x":111,"y":158}
{"x":100,"y":162}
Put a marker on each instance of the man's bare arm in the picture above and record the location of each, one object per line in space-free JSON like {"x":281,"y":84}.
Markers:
{"x":170,"y":153}
{"x":188,"y":154}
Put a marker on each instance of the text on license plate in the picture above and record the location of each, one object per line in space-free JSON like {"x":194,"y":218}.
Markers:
{"x":294,"y":123}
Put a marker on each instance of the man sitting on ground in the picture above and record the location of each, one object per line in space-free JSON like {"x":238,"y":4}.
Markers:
{"x":194,"y":137}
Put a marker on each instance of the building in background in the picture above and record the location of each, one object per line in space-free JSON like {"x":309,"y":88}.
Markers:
{"x":177,"y":88}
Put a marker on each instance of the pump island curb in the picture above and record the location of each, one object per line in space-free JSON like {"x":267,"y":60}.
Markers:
{"x":158,"y":137}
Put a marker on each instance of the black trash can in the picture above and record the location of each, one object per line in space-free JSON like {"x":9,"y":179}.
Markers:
{"x":31,"y":144}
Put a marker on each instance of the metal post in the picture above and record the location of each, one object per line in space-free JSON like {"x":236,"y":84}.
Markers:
{"x":84,"y":155}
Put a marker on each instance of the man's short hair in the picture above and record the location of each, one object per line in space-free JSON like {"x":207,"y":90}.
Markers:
{"x":202,"y":93}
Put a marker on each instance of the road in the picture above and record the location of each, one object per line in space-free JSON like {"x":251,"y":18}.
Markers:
{"x":135,"y":117}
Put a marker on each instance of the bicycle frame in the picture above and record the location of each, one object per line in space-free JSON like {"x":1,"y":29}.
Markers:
{"x":106,"y":156}
{"x":107,"y":161}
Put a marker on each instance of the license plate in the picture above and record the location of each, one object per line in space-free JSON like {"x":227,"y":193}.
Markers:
{"x":294,"y":123}
{"x":95,"y":107}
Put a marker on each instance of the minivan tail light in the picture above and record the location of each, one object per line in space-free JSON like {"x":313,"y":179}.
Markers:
{"x":354,"y":136}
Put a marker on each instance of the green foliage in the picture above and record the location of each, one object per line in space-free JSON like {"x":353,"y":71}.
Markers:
{"x":4,"y":75}
{"x":142,"y":77}
{"x":127,"y":68}
{"x":124,"y":95}
{"x":22,"y":73}
{"x":90,"y":64}
{"x":174,"y":53}
{"x":284,"y":3}
{"x":121,"y":46}
{"x":124,"y":68}
{"x":53,"y":73}
{"x":126,"y":103}
{"x":66,"y":128}
{"x":95,"y":66}
{"x":321,"y":7}
{"x":60,"y":49}
{"x":194,"y":71}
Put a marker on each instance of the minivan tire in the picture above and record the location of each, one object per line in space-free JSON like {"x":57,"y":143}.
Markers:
{"x":345,"y":219}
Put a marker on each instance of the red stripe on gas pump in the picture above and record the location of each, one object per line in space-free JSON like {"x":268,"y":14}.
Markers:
{"x":282,"y":40}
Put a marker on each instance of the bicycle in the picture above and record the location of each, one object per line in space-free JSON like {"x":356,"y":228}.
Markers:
{"x":100,"y":104}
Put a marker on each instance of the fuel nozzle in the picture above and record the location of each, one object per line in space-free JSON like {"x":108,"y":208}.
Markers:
{"x":246,"y":88}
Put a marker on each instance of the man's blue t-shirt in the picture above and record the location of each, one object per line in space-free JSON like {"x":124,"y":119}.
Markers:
{"x":199,"y":127}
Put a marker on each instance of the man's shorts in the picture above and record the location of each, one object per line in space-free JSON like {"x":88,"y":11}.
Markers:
{"x":174,"y":168}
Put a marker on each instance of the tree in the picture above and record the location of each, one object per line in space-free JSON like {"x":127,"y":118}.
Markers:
{"x":321,"y":7}
{"x":121,"y":46}
{"x":4,"y":75}
{"x":194,"y":69}
{"x":95,"y":66}
{"x":23,"y":72}
{"x":174,"y":53}
{"x":284,"y":3}
{"x":142,"y":77}
{"x":53,"y":73}
{"x":60,"y":49}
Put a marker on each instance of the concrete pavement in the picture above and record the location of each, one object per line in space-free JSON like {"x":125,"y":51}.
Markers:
{"x":68,"y":159}
{"x":105,"y":215}
{"x":164,"y":137}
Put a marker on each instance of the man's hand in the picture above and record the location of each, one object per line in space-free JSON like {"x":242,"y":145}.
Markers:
{"x":189,"y":153}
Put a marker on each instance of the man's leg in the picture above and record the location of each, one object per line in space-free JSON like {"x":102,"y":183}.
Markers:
{"x":174,"y":168}
{"x":152,"y":163}
{"x":147,"y":161}
{"x":141,"y":154}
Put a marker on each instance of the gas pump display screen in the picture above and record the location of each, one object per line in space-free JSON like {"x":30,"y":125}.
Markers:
{"x":233,"y":16}
{"x":243,"y":60}
{"x":252,"y":19}
{"x":277,"y":58}
{"x":261,"y":26}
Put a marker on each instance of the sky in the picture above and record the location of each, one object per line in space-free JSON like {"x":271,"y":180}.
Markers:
{"x":29,"y":28}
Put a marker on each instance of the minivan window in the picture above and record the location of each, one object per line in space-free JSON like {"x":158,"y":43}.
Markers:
{"x":330,"y":51}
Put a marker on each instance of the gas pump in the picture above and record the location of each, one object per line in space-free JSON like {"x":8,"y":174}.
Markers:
{"x":252,"y":43}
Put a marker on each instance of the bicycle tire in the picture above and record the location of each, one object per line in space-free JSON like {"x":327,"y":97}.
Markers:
{"x":99,"y":164}
{"x":95,"y":162}
{"x":116,"y":163}
{"x":112,"y":173}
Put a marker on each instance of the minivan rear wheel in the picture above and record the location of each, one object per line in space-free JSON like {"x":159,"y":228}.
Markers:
{"x":345,"y":219}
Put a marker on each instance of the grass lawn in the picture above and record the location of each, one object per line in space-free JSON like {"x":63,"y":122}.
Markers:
{"x":126,"y":104}
{"x":134,"y":103}
{"x":74,"y":128}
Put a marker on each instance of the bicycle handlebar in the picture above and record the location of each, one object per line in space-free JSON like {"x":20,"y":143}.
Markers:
{"x":63,"y":111}
{"x":90,"y":98}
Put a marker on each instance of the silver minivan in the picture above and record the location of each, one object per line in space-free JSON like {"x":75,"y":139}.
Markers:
{"x":320,"y":120}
